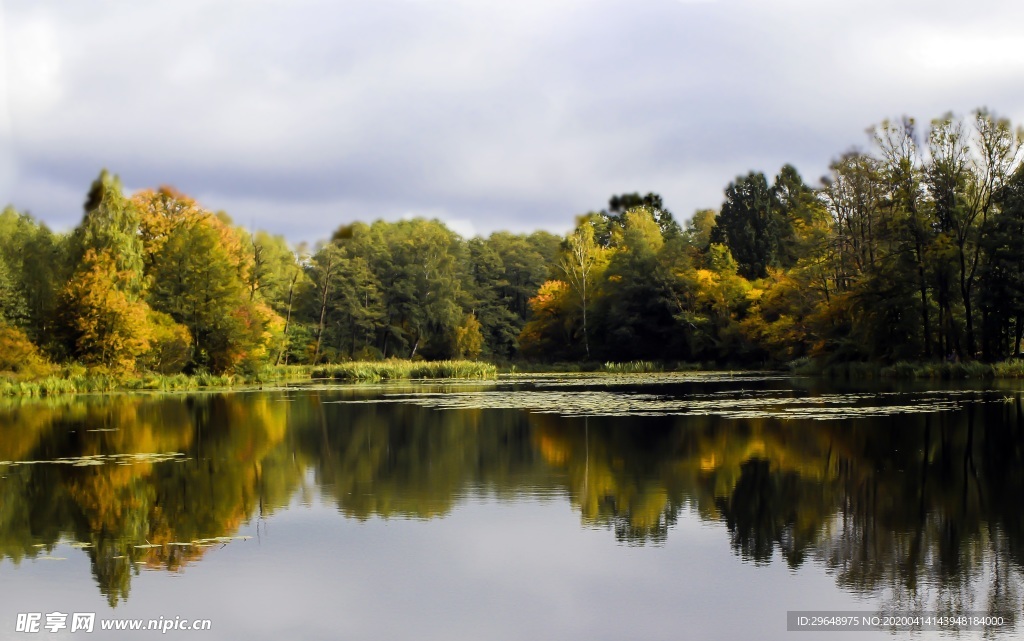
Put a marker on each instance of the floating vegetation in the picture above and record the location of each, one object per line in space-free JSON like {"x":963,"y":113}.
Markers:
{"x":734,"y":405}
{"x":197,"y":543}
{"x":220,"y":539}
{"x":104,"y":459}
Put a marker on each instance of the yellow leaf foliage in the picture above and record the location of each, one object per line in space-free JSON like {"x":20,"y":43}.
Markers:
{"x":19,"y":357}
{"x":112,"y":329}
{"x":469,"y":342}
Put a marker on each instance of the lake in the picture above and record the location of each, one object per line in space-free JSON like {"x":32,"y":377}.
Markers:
{"x":537,"y":507}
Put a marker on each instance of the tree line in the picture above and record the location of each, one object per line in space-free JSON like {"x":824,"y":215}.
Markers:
{"x":155,"y":282}
{"x":910,"y":250}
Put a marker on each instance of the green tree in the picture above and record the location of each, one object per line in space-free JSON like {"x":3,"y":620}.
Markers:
{"x":12,"y":303}
{"x":912,"y":227}
{"x":583,"y":262}
{"x":700,"y":228}
{"x":620,"y":204}
{"x":527,"y":262}
{"x":637,"y":322}
{"x":361,"y":308}
{"x":105,"y":314}
{"x":420,"y":265}
{"x":199,"y":280}
{"x":799,"y":211}
{"x":111,"y":224}
{"x":272,"y":268}
{"x":1001,"y":294}
{"x":750,"y":225}
{"x":325,"y":271}
{"x":966,"y":168}
{"x":492,"y":297}
{"x":293,"y":283}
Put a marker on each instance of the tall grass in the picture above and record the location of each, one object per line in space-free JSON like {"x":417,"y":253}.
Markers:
{"x":633,"y":367}
{"x":77,"y":380}
{"x":54,"y":385}
{"x":105,"y":383}
{"x":399,"y":369}
{"x":283,"y":373}
{"x":905,"y":370}
{"x":1009,"y":369}
{"x":531,"y":367}
{"x":182,"y":382}
{"x":946,"y":371}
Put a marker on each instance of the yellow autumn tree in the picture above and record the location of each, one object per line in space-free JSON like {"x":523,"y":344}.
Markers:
{"x":549,"y":331}
{"x":160,"y":212}
{"x":170,"y":345}
{"x":469,"y":342}
{"x":111,"y":327}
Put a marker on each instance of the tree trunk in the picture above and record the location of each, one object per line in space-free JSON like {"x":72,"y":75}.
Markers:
{"x":965,"y":291}
{"x":1018,"y":330}
{"x":287,"y":322}
{"x":320,"y":326}
{"x":586,"y":340}
{"x":923,"y":287}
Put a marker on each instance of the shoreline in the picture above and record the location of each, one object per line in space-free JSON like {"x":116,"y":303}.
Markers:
{"x":355,"y":372}
{"x":76,"y":382}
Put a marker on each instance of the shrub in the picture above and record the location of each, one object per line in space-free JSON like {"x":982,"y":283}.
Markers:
{"x":170,"y":345}
{"x":19,"y":357}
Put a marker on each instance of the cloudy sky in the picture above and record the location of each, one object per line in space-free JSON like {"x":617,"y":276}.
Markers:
{"x":297,"y":116}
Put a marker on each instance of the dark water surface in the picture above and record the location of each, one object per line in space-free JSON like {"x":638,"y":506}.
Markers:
{"x":594,"y":507}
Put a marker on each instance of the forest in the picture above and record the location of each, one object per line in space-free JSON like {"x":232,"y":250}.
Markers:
{"x":909,"y":250}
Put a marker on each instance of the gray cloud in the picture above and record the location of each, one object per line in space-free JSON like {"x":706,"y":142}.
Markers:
{"x":299,"y":116}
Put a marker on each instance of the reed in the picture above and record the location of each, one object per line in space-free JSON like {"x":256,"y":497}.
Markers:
{"x":633,"y":367}
{"x":907,"y":370}
{"x":400,"y":369}
{"x":1013,"y":368}
{"x":77,"y":380}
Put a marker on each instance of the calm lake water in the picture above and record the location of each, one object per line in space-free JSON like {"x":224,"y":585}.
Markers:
{"x":587,"y":507}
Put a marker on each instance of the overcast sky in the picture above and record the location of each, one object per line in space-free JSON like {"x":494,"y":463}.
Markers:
{"x":297,"y":116}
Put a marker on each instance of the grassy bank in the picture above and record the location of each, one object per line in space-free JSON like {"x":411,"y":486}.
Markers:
{"x":92,"y":383}
{"x":77,"y":381}
{"x":946,"y":371}
{"x":395,"y":369}
{"x":629,"y":367}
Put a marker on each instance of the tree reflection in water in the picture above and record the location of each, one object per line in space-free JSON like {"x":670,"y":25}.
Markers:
{"x":922,"y":510}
